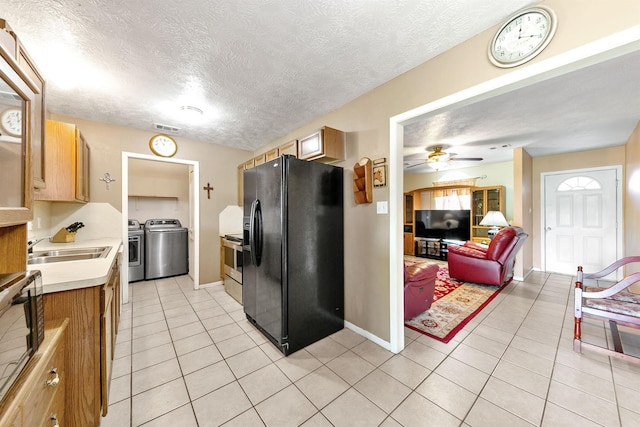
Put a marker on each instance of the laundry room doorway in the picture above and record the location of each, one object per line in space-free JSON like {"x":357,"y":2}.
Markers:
{"x":142,"y":189}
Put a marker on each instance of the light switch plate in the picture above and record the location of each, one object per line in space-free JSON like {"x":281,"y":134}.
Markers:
{"x":382,"y":208}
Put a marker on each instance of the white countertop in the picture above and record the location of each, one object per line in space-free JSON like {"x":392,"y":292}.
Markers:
{"x":68,"y":275}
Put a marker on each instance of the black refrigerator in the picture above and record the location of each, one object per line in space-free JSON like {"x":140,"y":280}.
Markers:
{"x":293,"y":251}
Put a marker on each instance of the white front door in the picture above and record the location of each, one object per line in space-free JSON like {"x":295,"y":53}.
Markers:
{"x":580,"y":220}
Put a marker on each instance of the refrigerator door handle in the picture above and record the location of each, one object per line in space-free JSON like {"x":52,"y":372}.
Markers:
{"x":255,"y":232}
{"x":258,"y":237}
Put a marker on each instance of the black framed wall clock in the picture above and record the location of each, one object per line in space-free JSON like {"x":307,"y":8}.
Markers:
{"x":522,"y":36}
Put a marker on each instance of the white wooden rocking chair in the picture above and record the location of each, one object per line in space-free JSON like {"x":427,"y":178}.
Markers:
{"x":616,"y":304}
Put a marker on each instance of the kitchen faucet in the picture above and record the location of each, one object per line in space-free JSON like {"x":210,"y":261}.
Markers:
{"x":32,"y":243}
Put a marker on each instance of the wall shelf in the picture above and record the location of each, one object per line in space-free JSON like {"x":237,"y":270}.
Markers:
{"x":147,"y":196}
{"x":363,"y":181}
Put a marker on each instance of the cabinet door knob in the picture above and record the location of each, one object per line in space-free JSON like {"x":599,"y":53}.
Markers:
{"x":56,"y":378}
{"x":54,"y":419}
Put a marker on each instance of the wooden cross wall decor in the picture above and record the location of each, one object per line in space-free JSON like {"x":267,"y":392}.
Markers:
{"x":208,"y":189}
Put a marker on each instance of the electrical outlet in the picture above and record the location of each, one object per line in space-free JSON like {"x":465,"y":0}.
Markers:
{"x":382,"y":208}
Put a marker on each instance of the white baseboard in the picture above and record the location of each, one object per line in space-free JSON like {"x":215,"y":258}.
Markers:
{"x":209,"y":285}
{"x":368,"y":335}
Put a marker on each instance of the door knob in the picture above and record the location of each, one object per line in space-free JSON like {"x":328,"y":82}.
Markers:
{"x":547,"y":229}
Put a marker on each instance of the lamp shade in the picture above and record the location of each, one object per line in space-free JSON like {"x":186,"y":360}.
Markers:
{"x":494,"y":219}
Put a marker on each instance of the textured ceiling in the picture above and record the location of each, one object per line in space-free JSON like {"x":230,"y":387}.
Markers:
{"x":593,"y":107}
{"x":257,"y":68}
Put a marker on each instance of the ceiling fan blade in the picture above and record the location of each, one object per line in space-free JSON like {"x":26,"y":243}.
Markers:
{"x":417,"y":164}
{"x":467,"y":159}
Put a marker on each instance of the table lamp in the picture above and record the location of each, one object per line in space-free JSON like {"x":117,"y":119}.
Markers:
{"x":494,"y":219}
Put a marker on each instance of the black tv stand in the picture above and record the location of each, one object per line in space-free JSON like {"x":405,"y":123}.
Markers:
{"x":433,"y":248}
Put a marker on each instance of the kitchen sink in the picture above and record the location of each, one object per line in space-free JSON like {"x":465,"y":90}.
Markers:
{"x":60,"y":255}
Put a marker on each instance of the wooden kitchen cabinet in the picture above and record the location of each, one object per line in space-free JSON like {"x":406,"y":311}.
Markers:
{"x":240,"y":184}
{"x":37,"y":119}
{"x":290,"y":147}
{"x":249,"y":164}
{"x":38,"y":396}
{"x":258,"y":160}
{"x":109,"y":316}
{"x":272,"y":154}
{"x":92,"y":314}
{"x":15,"y":143}
{"x":66,"y":164}
{"x":326,"y":145}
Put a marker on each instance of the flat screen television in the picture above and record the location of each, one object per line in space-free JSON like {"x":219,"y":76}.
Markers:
{"x":443,"y":224}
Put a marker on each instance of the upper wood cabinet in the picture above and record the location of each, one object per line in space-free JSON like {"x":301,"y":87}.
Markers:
{"x":272,"y":154}
{"x":37,"y":115}
{"x":290,"y":147}
{"x":15,"y":144}
{"x":326,"y":145}
{"x":240,"y":185}
{"x":66,"y":164}
{"x":83,"y":158}
{"x":259,"y":160}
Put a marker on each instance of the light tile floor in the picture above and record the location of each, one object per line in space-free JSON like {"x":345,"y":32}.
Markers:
{"x":190,"y":358}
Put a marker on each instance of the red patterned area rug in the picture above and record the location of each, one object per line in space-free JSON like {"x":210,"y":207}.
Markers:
{"x":455,"y":303}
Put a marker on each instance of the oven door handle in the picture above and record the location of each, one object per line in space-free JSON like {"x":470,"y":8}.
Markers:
{"x":255,"y":233}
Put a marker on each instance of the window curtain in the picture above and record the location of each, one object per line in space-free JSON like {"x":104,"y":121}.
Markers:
{"x":453,"y":199}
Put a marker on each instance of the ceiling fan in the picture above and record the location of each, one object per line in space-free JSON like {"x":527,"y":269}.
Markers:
{"x":438,"y":155}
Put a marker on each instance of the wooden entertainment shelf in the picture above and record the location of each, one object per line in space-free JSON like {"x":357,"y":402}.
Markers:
{"x":483,"y":200}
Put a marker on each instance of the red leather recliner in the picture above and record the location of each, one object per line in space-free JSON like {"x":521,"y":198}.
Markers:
{"x":419,"y":287}
{"x":491,"y":265}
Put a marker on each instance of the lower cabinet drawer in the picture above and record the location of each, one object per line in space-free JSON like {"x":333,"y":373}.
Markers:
{"x":56,"y":410}
{"x":49,"y":388}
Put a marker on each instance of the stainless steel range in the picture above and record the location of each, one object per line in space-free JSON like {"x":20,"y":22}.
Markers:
{"x":232,"y":244}
{"x":136,"y":251}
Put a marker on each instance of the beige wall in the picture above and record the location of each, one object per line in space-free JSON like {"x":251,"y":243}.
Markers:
{"x":217,"y":166}
{"x":158,"y":190}
{"x":366,"y":121}
{"x":632,"y":199}
{"x":523,"y":208}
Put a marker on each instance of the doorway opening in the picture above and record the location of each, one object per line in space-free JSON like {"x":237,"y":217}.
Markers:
{"x":572,"y":60}
{"x":193,"y":225}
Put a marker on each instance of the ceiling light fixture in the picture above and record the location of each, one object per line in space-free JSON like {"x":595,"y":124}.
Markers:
{"x":191,"y":110}
{"x":190,"y":114}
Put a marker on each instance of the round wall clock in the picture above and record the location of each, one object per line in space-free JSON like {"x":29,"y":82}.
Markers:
{"x":11,"y":122}
{"x":163,"y":145}
{"x":523,"y":36}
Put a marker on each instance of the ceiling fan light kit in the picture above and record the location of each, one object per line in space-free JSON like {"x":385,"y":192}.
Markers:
{"x":438,"y":158}
{"x":437,"y":155}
